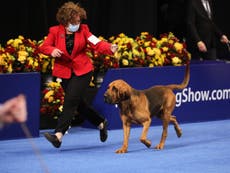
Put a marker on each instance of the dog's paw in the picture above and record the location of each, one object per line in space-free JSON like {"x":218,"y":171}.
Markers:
{"x":178,"y":132}
{"x":159,"y":146}
{"x":121,"y":150}
{"x":147,"y":143}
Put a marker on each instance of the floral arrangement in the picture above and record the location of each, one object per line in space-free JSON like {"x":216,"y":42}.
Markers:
{"x":143,"y":51}
{"x":22,"y":55}
{"x":168,"y":50}
{"x":130,"y":53}
{"x":52,"y":99}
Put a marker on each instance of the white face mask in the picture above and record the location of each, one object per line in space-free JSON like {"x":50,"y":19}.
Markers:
{"x":73,"y":28}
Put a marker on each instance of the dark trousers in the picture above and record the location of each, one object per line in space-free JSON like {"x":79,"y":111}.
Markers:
{"x":75,"y":89}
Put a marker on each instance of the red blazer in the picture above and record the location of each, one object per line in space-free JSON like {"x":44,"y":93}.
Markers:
{"x":78,"y":62}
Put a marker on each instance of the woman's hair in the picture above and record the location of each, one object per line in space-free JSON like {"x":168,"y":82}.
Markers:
{"x":68,"y":11}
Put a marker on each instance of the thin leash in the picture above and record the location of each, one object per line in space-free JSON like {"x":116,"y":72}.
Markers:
{"x":34,"y":147}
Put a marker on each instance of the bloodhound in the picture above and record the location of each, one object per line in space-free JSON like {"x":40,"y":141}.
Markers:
{"x":139,"y":106}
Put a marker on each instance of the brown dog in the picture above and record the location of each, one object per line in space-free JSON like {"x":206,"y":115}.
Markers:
{"x":139,"y":106}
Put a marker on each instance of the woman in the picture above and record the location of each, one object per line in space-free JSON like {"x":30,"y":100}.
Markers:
{"x":67,"y":42}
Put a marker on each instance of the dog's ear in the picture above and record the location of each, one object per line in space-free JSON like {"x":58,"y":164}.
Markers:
{"x":127,"y":95}
{"x":114,"y":89}
{"x":124,"y":95}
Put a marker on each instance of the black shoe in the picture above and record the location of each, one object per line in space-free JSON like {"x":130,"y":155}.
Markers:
{"x":104,"y":132}
{"x":53,"y":139}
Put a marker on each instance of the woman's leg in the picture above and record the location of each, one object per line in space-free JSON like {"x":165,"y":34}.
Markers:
{"x":74,"y":92}
{"x":75,"y":88}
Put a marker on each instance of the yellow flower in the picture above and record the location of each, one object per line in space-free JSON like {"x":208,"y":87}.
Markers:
{"x":147,"y":43}
{"x":117,"y":55}
{"x":49,"y":94}
{"x":171,"y":41}
{"x":125,"y":62}
{"x":20,"y":37}
{"x":144,"y":33}
{"x":22,"y":55}
{"x":10,"y":69}
{"x":107,"y":57}
{"x":60,"y":108}
{"x":136,"y":52}
{"x":111,"y":38}
{"x":126,"y":53}
{"x":122,"y":35}
{"x":140,"y":42}
{"x":159,"y":61}
{"x":101,"y":38}
{"x":189,"y":56}
{"x":36,"y":64}
{"x":178,"y":47}
{"x":154,"y":39}
{"x":53,"y":84}
{"x":164,"y":40}
{"x":151,"y":65}
{"x":9,"y":56}
{"x":2,"y":60}
{"x":44,"y":66}
{"x":21,"y":47}
{"x":42,"y":56}
{"x":150,"y":51}
{"x":16,"y":43}
{"x":123,"y":47}
{"x":176,"y":61}
{"x":91,"y":84}
{"x":157,"y":51}
{"x":30,"y":61}
{"x":163,"y":56}
{"x":29,"y":49}
{"x":165,"y":49}
{"x":50,"y":99}
{"x":9,"y":42}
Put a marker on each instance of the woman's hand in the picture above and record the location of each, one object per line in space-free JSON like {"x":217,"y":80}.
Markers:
{"x":114,"y":48}
{"x":56,"y":53}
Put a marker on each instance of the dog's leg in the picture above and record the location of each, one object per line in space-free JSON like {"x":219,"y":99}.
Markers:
{"x":126,"y":133}
{"x":143,"y":137}
{"x":176,"y":126}
{"x":166,"y":119}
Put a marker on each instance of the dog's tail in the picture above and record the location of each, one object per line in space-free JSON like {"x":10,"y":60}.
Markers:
{"x":185,"y":82}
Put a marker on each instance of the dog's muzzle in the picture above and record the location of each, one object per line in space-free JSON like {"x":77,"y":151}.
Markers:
{"x":108,"y":99}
